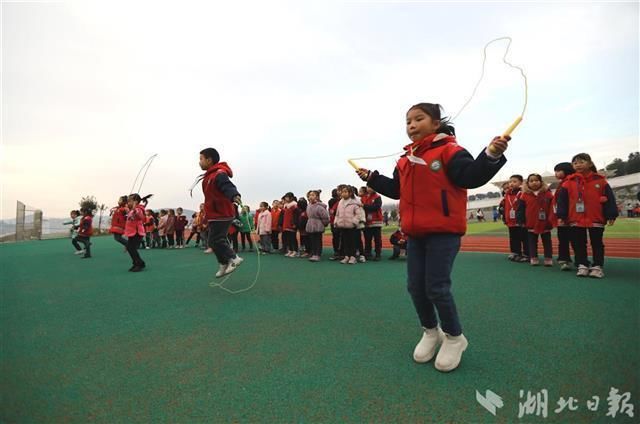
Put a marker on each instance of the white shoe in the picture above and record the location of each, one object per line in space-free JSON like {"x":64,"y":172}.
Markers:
{"x":147,"y":248}
{"x":79,"y":252}
{"x":362,"y":259}
{"x":426,"y":347}
{"x":450,"y":352}
{"x":353,"y":260}
{"x":233,"y":264}
{"x":583,"y":271}
{"x":221,"y":270}
{"x":596,"y":272}
{"x":345,"y":260}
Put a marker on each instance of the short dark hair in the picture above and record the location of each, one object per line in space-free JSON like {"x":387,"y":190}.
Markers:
{"x":211,"y":153}
{"x":565,"y":167}
{"x":517,"y":176}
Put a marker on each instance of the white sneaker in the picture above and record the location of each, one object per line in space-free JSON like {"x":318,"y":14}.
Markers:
{"x":353,"y":260}
{"x":147,"y":248}
{"x":583,"y":271}
{"x":221,"y":270}
{"x":450,"y":352}
{"x":362,"y":259}
{"x":79,"y":252}
{"x":596,"y":272}
{"x":345,"y":260}
{"x":233,"y":264}
{"x":426,"y":347}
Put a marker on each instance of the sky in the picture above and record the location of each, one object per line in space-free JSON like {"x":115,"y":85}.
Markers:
{"x":288,"y":91}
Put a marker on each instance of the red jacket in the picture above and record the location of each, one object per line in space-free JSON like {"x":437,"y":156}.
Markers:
{"x":149,"y":224}
{"x":86,"y":226}
{"x":118,"y":218}
{"x":424,"y":181}
{"x":332,"y":212}
{"x":586,"y":201}
{"x":135,"y":222}
{"x":181,"y":222}
{"x":217,"y":205}
{"x":536,"y":211}
{"x":511,"y":204}
{"x":275,"y":217}
{"x":289,"y":221}
{"x":373,"y":212}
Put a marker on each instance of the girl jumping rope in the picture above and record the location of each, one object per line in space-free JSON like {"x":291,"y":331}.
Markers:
{"x":430,"y":180}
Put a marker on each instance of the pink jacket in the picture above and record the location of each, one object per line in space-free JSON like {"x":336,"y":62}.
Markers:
{"x":264,"y":223}
{"x":135,"y":222}
{"x":349,"y":214}
{"x":162,"y":225}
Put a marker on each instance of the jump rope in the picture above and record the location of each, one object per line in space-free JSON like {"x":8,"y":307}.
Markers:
{"x":473,"y":93}
{"x":351,"y":161}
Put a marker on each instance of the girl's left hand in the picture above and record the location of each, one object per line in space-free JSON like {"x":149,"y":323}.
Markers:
{"x":499,"y":144}
{"x":611,"y":222}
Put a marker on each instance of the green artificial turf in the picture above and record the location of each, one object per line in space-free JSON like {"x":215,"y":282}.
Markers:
{"x":85,"y":340}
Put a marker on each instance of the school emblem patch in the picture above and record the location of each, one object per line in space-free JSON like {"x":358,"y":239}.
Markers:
{"x":436,"y":165}
{"x":597,"y":185}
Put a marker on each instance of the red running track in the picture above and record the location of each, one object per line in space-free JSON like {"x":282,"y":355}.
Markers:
{"x":614,"y":247}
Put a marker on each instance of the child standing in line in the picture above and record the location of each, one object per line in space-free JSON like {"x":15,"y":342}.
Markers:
{"x":335,"y":233}
{"x":171,"y":228}
{"x":372,"y":204}
{"x":263,"y":228}
{"x":134,"y":230}
{"x":162,"y":228}
{"x":181,"y":224}
{"x":517,"y":233}
{"x":75,"y":224}
{"x":149,"y":226}
{"x":318,"y":219}
{"x":587,"y":204}
{"x":562,"y":171}
{"x":535,"y":212}
{"x":118,"y":219}
{"x":195,"y":230}
{"x":85,"y":231}
{"x":349,"y":215}
{"x":305,"y":246}
{"x":289,"y":229}
{"x":276,"y":210}
{"x":156,"y":233}
{"x":246,"y":228}
{"x":431,"y":181}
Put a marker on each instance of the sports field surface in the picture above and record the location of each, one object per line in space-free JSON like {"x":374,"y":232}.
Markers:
{"x":83,"y":340}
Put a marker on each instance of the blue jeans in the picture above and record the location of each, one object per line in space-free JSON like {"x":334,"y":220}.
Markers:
{"x":429,"y":264}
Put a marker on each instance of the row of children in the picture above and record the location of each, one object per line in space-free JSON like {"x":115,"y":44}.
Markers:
{"x":582,"y":205}
{"x":163,"y":229}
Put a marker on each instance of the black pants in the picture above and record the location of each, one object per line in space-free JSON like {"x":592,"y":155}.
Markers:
{"x":518,"y":241}
{"x":244,"y":237}
{"x":218,"y":241}
{"x":372,"y":234}
{"x":564,"y":238}
{"x":120,"y":239}
{"x":275,"y":239}
{"x":180,"y":237}
{"x":290,"y":241}
{"x":194,"y":233}
{"x":171,"y":239}
{"x":359,"y":243}
{"x":133,"y":243}
{"x":233,"y":239}
{"x":305,"y":242}
{"x":546,"y":245}
{"x":86,"y":242}
{"x":335,"y":240}
{"x":315,"y":240}
{"x":350,"y":237}
{"x":579,"y":243}
{"x":397,"y":249}
{"x":163,"y":241}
